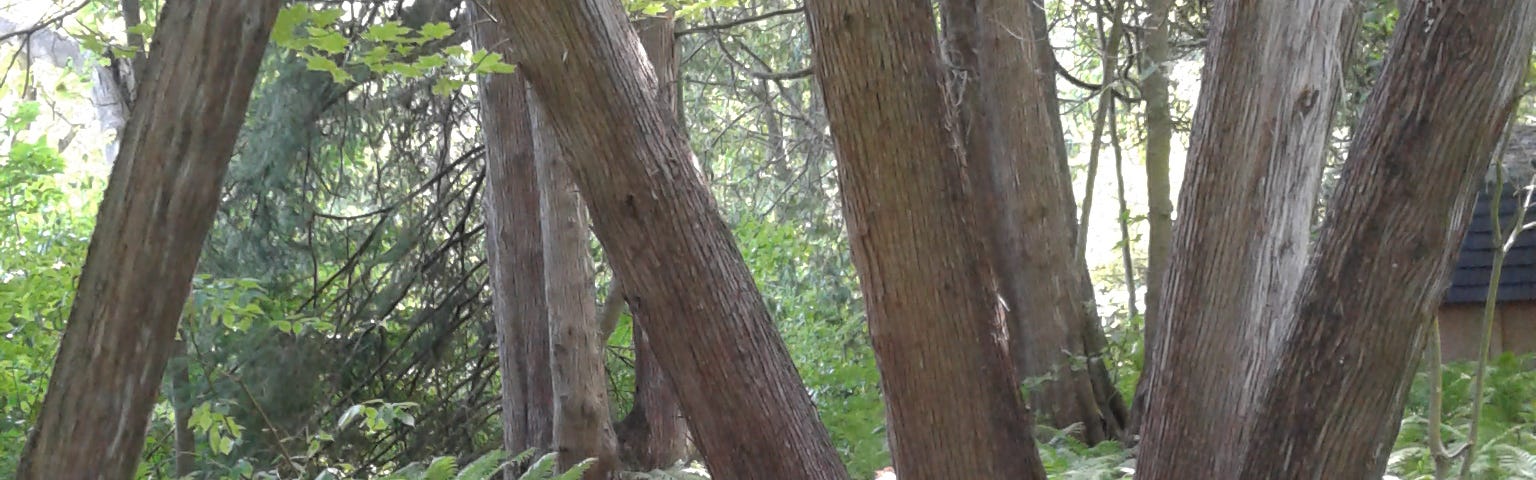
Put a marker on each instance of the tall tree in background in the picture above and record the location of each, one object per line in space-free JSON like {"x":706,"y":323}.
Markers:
{"x":155,"y":214}
{"x":1025,"y":204}
{"x":1158,"y":124}
{"x":953,"y":408}
{"x":654,"y":434}
{"x":514,"y":247}
{"x":583,"y":428}
{"x":1309,"y":358}
{"x":1448,"y":87}
{"x":685,"y":279}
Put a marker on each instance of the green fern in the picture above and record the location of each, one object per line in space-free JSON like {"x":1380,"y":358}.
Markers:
{"x":442,"y":468}
{"x":1515,"y":462}
{"x":487,"y":465}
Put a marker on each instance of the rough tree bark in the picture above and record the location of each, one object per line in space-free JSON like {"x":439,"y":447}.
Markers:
{"x":750,"y":413}
{"x":156,"y":212}
{"x":583,"y":428}
{"x":1449,"y":85}
{"x":1241,"y":242}
{"x":514,"y":245}
{"x":953,"y":408}
{"x":654,"y":434}
{"x":1025,"y":204}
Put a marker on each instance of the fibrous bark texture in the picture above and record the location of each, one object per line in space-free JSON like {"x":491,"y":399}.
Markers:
{"x":1241,"y":242}
{"x":686,"y":281}
{"x":654,"y":434}
{"x":514,"y":245}
{"x":1403,"y":202}
{"x":1025,"y":206}
{"x":952,"y":405}
{"x":155,"y":214}
{"x":583,"y":429}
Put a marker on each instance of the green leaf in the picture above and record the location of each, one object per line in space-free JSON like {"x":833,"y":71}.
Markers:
{"x":326,"y":17}
{"x":349,"y":416}
{"x":445,"y":86}
{"x":288,"y":20}
{"x":26,"y":113}
{"x":142,"y":29}
{"x":389,"y":32}
{"x":431,"y":61}
{"x":322,"y":64}
{"x":436,"y":30}
{"x":328,"y":41}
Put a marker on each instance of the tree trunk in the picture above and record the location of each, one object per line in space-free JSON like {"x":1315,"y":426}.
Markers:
{"x":952,"y":405}
{"x":185,"y":444}
{"x":1025,"y":202}
{"x":1448,"y":86}
{"x":1241,"y":242}
{"x":654,"y":434}
{"x":155,"y":214}
{"x":514,"y":245}
{"x":687,"y":283}
{"x":583,"y":428}
{"x":1159,"y":131}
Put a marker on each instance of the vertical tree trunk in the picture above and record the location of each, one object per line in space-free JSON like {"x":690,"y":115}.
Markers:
{"x":654,"y":434}
{"x":686,"y":280}
{"x":1241,"y":242}
{"x":953,"y":408}
{"x":156,"y":212}
{"x":583,"y":428}
{"x":514,"y":245}
{"x":1425,"y":137}
{"x":181,"y":411}
{"x":1159,"y":146}
{"x":1025,"y":203}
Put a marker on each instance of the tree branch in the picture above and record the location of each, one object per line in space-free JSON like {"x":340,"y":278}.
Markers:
{"x":739,"y":22}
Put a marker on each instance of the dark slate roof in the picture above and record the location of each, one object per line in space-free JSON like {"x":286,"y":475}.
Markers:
{"x":1474,"y":264}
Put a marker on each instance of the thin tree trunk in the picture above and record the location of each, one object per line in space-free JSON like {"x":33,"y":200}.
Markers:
{"x":1126,"y":263}
{"x":1404,"y":200}
{"x":1242,"y":239}
{"x":654,"y":434}
{"x":952,"y":405}
{"x":1159,"y":147}
{"x":583,"y":428}
{"x":514,"y":244}
{"x":686,"y":280}
{"x":155,"y":214}
{"x":181,"y":410}
{"x":1109,"y":60}
{"x":1437,"y":453}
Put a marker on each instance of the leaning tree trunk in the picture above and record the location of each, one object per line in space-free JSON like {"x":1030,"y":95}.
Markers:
{"x":155,"y":214}
{"x":1241,"y":241}
{"x":1448,"y":86}
{"x":654,"y":434}
{"x":583,"y":428}
{"x":953,"y":408}
{"x":686,"y":280}
{"x":514,"y":245}
{"x":1026,"y":206}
